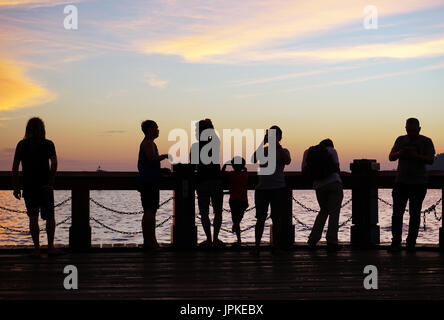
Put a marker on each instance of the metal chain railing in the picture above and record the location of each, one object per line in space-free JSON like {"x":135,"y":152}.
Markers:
{"x":230,"y":231}
{"x":24,"y":211}
{"x":27,"y":231}
{"x":317,"y":211}
{"x":127,"y":232}
{"x":125,"y":212}
{"x":424,"y":212}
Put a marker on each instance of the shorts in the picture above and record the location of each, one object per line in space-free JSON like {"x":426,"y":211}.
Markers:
{"x":238,"y":208}
{"x":150,"y":196}
{"x":269,"y":197}
{"x":206,"y":190}
{"x":42,"y":200}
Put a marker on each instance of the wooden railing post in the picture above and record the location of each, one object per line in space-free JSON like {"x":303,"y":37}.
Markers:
{"x":365,"y":229}
{"x":284,"y":236}
{"x":441,"y":230}
{"x":184,"y":230}
{"x":80,"y":230}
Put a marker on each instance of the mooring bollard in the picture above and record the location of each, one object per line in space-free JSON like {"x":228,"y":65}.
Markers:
{"x":283,"y":236}
{"x":80,"y":230}
{"x":441,"y":230}
{"x":184,"y":230}
{"x":365,"y":229}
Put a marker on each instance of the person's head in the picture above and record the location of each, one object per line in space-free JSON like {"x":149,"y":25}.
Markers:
{"x":412,"y":127}
{"x":35,"y":129}
{"x":238,"y":163}
{"x":203,"y":125}
{"x":150,"y":129}
{"x":278,"y":132}
{"x":327,"y":143}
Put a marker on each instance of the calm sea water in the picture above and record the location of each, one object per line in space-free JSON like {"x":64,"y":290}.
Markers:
{"x":129,"y":201}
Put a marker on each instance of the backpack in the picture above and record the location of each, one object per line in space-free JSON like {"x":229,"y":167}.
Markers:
{"x":319,"y":163}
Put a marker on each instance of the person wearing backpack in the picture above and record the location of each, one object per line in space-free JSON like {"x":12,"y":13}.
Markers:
{"x":321,"y":164}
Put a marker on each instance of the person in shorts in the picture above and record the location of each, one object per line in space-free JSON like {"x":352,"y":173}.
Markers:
{"x":238,"y":186}
{"x":208,"y":180}
{"x":35,"y":153}
{"x":148,"y":182}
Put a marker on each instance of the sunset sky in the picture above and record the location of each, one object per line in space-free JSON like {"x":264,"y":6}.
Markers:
{"x":308,"y":66}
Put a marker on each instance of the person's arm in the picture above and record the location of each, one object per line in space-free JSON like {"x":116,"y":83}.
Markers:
{"x":53,"y":170}
{"x":150,"y":153}
{"x":396,"y":152}
{"x":224,"y":167}
{"x":428,"y":158}
{"x":15,"y":179}
{"x":261,"y":146}
{"x":15,"y":171}
{"x":285,"y":155}
{"x":336,"y":160}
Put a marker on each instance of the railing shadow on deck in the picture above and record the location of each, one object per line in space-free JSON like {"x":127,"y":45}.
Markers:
{"x":364,"y":180}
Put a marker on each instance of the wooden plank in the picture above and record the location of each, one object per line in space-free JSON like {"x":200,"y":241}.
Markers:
{"x":224,"y":275}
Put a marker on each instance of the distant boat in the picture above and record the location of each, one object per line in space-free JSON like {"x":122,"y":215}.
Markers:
{"x":99,"y":169}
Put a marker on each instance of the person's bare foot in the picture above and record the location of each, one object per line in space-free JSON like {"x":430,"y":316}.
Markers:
{"x":218,"y":243}
{"x":35,"y":254}
{"x":205,"y":244}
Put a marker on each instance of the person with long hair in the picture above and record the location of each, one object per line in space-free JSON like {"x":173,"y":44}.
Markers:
{"x":205,"y":153}
{"x":35,"y":153}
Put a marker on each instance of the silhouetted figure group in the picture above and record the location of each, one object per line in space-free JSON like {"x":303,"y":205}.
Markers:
{"x":320,"y":164}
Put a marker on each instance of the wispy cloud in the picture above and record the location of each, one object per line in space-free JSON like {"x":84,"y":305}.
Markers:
{"x":153,"y":81}
{"x":17,"y":90}
{"x":370,"y":78}
{"x":36,"y":3}
{"x":266,"y":25}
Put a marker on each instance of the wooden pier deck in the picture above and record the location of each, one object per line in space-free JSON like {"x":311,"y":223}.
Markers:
{"x":167,"y":274}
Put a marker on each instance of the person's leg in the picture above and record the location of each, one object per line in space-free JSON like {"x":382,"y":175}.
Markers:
{"x":321,"y":218}
{"x":35,"y":233}
{"x":400,"y":197}
{"x":203,"y":200}
{"x":148,"y":228}
{"x":334,"y":203}
{"x":47,"y":213}
{"x":235,"y":217}
{"x":261,"y":199}
{"x":217,"y":203}
{"x":150,"y":202}
{"x":32,"y":210}
{"x":417,"y":195}
{"x":276,"y":207}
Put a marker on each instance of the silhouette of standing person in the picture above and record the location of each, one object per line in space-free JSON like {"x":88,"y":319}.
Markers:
{"x":238,"y":186}
{"x":35,"y":153}
{"x":322,"y":164}
{"x":413,"y":151}
{"x":205,"y":154}
{"x":270,"y":190}
{"x":148,"y":181}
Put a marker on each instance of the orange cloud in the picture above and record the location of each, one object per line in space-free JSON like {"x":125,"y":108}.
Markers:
{"x":17,"y":90}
